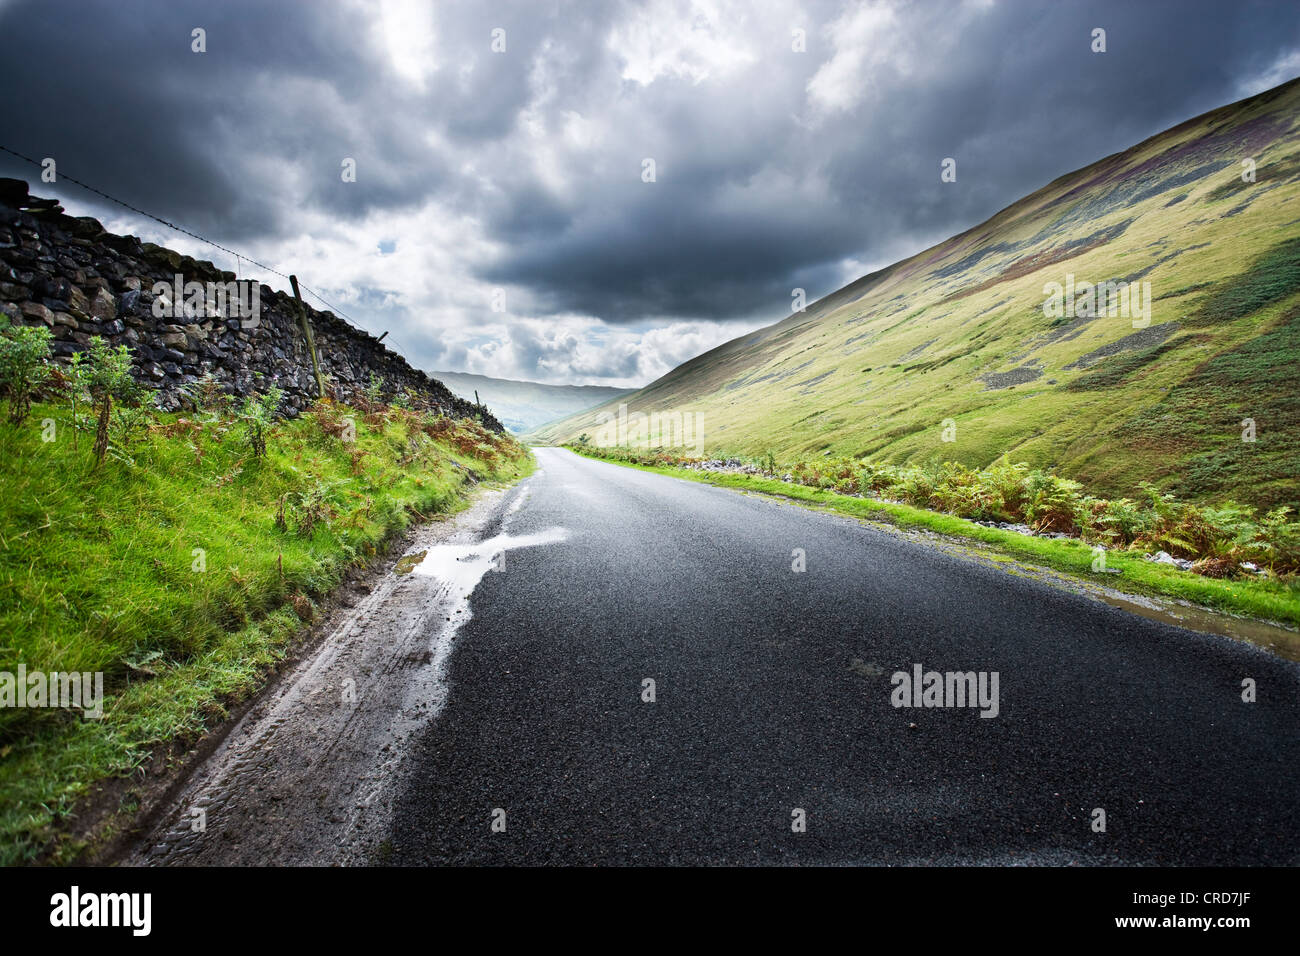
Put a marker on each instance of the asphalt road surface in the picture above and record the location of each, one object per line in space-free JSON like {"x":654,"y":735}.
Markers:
{"x":771,"y":737}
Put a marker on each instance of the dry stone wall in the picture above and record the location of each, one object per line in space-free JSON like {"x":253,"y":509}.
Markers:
{"x":79,"y":280}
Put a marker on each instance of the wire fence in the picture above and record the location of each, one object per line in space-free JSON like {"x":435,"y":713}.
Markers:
{"x":239,"y":256}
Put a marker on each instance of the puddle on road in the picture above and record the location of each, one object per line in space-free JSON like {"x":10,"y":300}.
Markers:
{"x":462,"y":566}
{"x":452,"y":572}
{"x":1279,"y":640}
{"x":408,"y":561}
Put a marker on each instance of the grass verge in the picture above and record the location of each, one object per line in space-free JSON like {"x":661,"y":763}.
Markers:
{"x":184,"y":568}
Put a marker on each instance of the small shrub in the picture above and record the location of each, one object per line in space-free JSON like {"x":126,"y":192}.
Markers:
{"x":257,"y":415}
{"x":76,"y":376}
{"x":1121,"y":521}
{"x":373,"y":392}
{"x":916,"y":486}
{"x":1007,"y":492}
{"x":1277,"y":542}
{"x":208,"y":396}
{"x":435,"y":425}
{"x":1052,"y":503}
{"x":24,"y":365}
{"x":107,"y":376}
{"x":134,"y":414}
{"x":307,"y":508}
{"x":329,"y":418}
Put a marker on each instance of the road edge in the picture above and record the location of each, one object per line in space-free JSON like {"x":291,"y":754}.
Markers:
{"x":105,"y":823}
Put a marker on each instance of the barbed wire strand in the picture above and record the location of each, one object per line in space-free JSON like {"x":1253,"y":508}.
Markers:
{"x":204,"y":239}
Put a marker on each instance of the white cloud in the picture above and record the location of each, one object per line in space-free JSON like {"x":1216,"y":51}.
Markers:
{"x":403,"y":33}
{"x":691,"y":39}
{"x":866,"y":41}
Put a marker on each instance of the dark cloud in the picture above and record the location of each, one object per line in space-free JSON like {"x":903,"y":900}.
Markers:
{"x":774,"y":168}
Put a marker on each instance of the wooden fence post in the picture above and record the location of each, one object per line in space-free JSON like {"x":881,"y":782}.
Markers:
{"x":307,"y":334}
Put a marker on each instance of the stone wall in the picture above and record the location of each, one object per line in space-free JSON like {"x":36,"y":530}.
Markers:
{"x":71,"y":275}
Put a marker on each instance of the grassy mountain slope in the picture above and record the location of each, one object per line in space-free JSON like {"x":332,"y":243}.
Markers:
{"x":959,"y":332}
{"x":522,"y":406}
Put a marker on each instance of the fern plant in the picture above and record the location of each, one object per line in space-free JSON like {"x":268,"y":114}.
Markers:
{"x":257,"y":415}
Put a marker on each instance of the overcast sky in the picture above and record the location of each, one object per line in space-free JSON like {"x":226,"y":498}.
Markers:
{"x":521,"y":172}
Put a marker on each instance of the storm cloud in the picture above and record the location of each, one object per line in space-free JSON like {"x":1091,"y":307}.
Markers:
{"x":501,"y":221}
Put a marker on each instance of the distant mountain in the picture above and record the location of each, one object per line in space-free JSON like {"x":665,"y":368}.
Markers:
{"x":992,"y":343}
{"x":523,"y":406}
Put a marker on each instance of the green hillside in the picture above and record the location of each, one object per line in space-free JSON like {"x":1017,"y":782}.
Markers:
{"x":522,"y":406}
{"x":958,"y":335}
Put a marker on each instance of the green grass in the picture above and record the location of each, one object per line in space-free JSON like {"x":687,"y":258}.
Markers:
{"x":1272,"y":599}
{"x":99,"y":572}
{"x":1198,"y":423}
{"x":1272,"y":277}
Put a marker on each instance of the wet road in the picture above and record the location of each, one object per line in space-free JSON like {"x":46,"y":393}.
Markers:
{"x":771,"y":737}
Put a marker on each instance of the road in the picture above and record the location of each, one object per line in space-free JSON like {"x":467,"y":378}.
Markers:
{"x":499,"y":710}
{"x":772,"y":695}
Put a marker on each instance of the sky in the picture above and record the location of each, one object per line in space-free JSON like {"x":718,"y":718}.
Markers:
{"x":593,"y":193}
